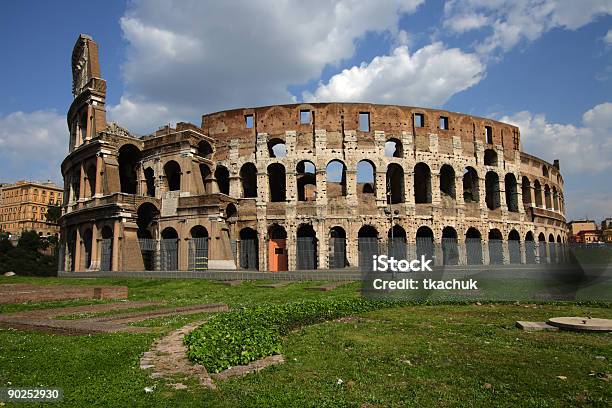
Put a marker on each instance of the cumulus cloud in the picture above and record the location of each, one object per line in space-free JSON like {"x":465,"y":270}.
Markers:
{"x":512,"y":21}
{"x":608,"y":38}
{"x":190,"y":57}
{"x":429,"y":77}
{"x":581,"y":149}
{"x":32,"y":145}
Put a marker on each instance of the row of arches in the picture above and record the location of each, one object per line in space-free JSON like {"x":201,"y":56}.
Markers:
{"x":543,"y":196}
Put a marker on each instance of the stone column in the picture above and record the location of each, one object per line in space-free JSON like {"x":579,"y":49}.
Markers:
{"x":115,"y":250}
{"x":506,"y":252}
{"x":523,"y":252}
{"x":83,"y":179}
{"x":99,"y":175}
{"x":321,"y":182}
{"x":95,"y":253}
{"x":77,"y":251}
{"x":485,"y":253}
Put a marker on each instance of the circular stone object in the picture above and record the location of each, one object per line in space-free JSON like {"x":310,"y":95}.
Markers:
{"x":581,"y":323}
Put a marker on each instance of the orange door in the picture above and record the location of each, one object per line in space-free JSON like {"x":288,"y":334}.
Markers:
{"x":277,"y":255}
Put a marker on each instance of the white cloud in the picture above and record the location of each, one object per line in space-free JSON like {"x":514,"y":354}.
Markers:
{"x":429,"y":77}
{"x":608,"y":38}
{"x":32,"y":145}
{"x":581,"y":149}
{"x":190,"y":57}
{"x":512,"y":21}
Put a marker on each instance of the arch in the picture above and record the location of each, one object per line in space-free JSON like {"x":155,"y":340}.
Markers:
{"x":231,"y":212}
{"x":544,"y":170}
{"x":337,"y":248}
{"x":172,"y":171}
{"x":276,"y":182}
{"x":149,"y":174}
{"x":496,"y":250}
{"x":169,"y":233}
{"x":450,"y":246}
{"x":91,"y":178}
{"x":128,"y":158}
{"x":514,"y":247}
{"x":542,"y":248}
{"x":198,"y":231}
{"x":277,"y":248}
{"x":276,"y":231}
{"x":205,"y":149}
{"x":447,"y":181}
{"x":248,"y":178}
{"x":249,"y":249}
{"x":168,"y":256}
{"x":146,"y":220}
{"x":490,"y":157}
{"x":205,"y":174}
{"x":306,"y":247}
{"x":366,"y":177}
{"x":552,"y":248}
{"x":305,"y":173}
{"x":395,"y":184}
{"x":526,"y":190}
{"x":367,"y":239}
{"x":547,"y":198}
{"x":538,"y":193}
{"x":558,"y":239}
{"x":555,"y":199}
{"x":335,"y":177}
{"x":422,"y":183}
{"x":511,"y":192}
{"x":222,"y":176}
{"x":492,"y":190}
{"x":367,"y":231}
{"x":277,"y":148}
{"x":473,"y":246}
{"x":397,"y":242}
{"x":425,"y":242}
{"x":394,"y":148}
{"x":470,"y":185}
{"x":530,"y":248}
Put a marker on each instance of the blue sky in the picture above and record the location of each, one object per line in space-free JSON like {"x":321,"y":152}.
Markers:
{"x":544,"y":65}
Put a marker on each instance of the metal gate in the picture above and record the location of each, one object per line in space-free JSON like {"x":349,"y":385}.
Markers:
{"x":542,"y":252}
{"x":337,"y":253}
{"x":496,"y":252}
{"x":106,"y":254}
{"x":198,"y":254}
{"x":450,"y":251}
{"x":473,"y":251}
{"x":530,"y":252}
{"x":368,"y":247}
{"x":306,"y":254}
{"x":425,"y":246}
{"x":397,"y":248}
{"x":149,"y":251}
{"x":514,"y":251}
{"x":168,"y":256}
{"x":249,"y":254}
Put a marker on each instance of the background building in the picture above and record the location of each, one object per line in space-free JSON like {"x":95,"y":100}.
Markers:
{"x":24,"y":204}
{"x":301,"y":186}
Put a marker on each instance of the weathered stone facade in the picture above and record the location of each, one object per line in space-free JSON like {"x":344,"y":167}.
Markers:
{"x":272,"y":175}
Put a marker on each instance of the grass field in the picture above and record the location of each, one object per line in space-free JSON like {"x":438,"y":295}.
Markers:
{"x":420,"y":355}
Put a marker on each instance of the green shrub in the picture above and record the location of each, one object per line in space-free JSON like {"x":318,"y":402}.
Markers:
{"x":241,"y":336}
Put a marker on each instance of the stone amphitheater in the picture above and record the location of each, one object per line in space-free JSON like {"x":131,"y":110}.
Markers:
{"x":299,"y":187}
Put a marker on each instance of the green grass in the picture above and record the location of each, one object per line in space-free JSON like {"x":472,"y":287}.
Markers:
{"x":421,"y":355}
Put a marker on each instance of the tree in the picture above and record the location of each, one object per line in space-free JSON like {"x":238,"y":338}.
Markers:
{"x":54,"y":212}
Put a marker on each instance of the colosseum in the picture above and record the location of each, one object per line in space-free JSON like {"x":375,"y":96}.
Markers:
{"x":299,"y":187}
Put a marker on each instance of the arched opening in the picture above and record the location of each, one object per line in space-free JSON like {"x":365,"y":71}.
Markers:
{"x":249,"y":249}
{"x":538,"y":193}
{"x":168,"y":256}
{"x":106,"y":248}
{"x":248,"y":177}
{"x":75,"y":183}
{"x":395,"y":184}
{"x":542,"y":248}
{"x":172,"y":171}
{"x":397,"y":242}
{"x":305,"y":173}
{"x":276,"y":182}
{"x":337,"y":248}
{"x":205,"y":149}
{"x":490,"y":157}
{"x":198,"y":248}
{"x":367,"y":239}
{"x":552,"y":248}
{"x":555,"y":199}
{"x":277,"y":251}
{"x":425,"y":243}
{"x":91,"y":178}
{"x":470,"y":185}
{"x":450,"y":246}
{"x":526,"y":190}
{"x":231,"y":213}
{"x":422,"y":184}
{"x":87,"y":247}
{"x":473,"y":246}
{"x":530,"y":248}
{"x":147,"y":217}
{"x":547,"y":198}
{"x":335,"y":176}
{"x":277,"y":148}
{"x":306,"y":247}
{"x":149,"y":174}
{"x":393,"y":148}
{"x":447,"y":183}
{"x":492,"y":190}
{"x":511,"y":192}
{"x":129,"y":158}
{"x":205,"y":174}
{"x":544,"y":170}
{"x":496,"y":248}
{"x":366,"y":183}
{"x":222,"y":176}
{"x":514,"y":247}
